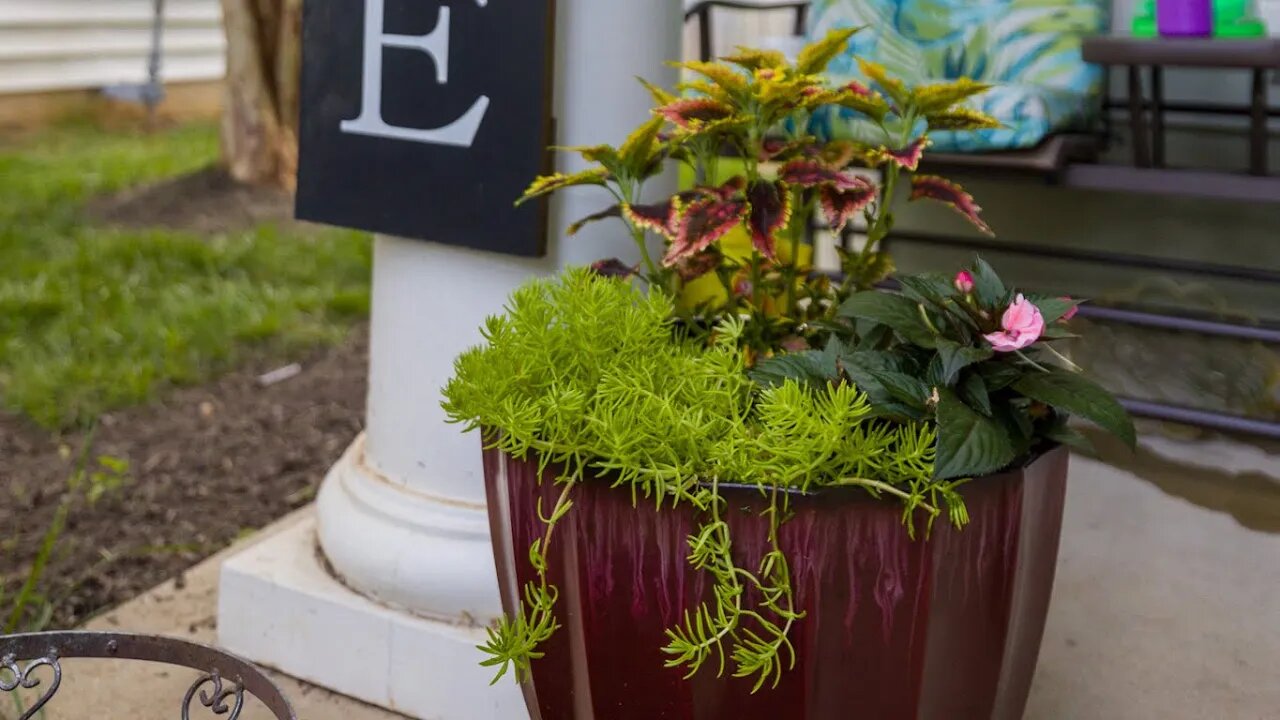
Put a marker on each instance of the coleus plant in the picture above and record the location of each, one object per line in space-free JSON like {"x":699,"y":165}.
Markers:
{"x":968,"y":354}
{"x":755,"y":107}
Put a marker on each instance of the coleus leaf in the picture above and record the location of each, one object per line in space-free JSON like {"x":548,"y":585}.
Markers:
{"x":840,"y":154}
{"x":815,"y":56}
{"x":691,"y":113}
{"x":812,"y":173}
{"x":907,"y":158}
{"x":1072,"y":393}
{"x":609,"y":212}
{"x":693,"y":267}
{"x":612,"y":268}
{"x":932,"y":187}
{"x":841,"y":206}
{"x":755,"y":59}
{"x":956,"y":357}
{"x":969,"y":443}
{"x":896,"y":311}
{"x":660,"y":96}
{"x":936,"y":97}
{"x":770,"y":212}
{"x":547,"y":184}
{"x":858,"y":97}
{"x":730,"y":81}
{"x":701,"y":223}
{"x":962,"y":119}
{"x":659,"y":218}
{"x":638,"y":150}
{"x":891,"y":85}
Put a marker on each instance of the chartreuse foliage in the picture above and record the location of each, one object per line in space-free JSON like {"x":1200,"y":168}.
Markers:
{"x":757,"y":104}
{"x":590,"y":377}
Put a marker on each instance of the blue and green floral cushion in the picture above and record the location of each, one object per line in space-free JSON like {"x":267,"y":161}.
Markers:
{"x":1029,"y":49}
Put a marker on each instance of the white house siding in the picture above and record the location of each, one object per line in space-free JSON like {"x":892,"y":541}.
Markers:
{"x":49,"y":45}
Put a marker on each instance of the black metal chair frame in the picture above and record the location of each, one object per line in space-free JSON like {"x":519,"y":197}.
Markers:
{"x":1067,"y":165}
{"x":220,"y":689}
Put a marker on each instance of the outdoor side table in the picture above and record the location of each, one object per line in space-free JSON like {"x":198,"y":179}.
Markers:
{"x":1258,"y":56}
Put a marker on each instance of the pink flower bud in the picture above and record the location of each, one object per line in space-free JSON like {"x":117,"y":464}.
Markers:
{"x":1022,"y":325}
{"x":964,"y":282}
{"x":1069,"y":313}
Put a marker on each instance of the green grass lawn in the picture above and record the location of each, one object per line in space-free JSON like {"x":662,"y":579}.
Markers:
{"x":93,"y":319}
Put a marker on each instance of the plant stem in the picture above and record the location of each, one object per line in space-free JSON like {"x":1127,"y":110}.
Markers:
{"x":879,"y":486}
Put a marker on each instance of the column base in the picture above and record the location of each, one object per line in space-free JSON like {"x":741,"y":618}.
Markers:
{"x":279,"y":606}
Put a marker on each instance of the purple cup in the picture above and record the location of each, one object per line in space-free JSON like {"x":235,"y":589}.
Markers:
{"x":1185,"y":18}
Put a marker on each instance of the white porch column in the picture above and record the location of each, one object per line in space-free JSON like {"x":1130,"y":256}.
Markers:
{"x":401,"y":518}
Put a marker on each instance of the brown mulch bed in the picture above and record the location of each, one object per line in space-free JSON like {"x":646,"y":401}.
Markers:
{"x":207,"y":464}
{"x":205,"y":202}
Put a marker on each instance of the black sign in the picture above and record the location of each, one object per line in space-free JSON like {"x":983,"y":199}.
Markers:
{"x":427,"y":118}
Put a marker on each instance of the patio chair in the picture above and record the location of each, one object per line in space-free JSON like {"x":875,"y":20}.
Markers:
{"x":220,"y":688}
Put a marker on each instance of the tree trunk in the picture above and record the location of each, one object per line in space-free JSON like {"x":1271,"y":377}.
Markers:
{"x":260,"y":119}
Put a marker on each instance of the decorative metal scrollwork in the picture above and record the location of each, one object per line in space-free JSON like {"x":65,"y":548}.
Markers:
{"x":14,"y":677}
{"x":215,"y":698}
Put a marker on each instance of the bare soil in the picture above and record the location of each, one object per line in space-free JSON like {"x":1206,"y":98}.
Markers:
{"x":207,"y":464}
{"x":207,"y":202}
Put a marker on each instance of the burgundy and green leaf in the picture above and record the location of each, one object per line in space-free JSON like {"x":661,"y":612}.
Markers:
{"x":770,"y":211}
{"x":813,"y":173}
{"x":690,"y":113}
{"x":701,"y":223}
{"x":658,"y":218}
{"x":841,"y":206}
{"x":907,"y":158}
{"x":694,"y":267}
{"x":727,"y":79}
{"x":613,"y":268}
{"x":550,"y":183}
{"x":610,"y":212}
{"x":932,"y":187}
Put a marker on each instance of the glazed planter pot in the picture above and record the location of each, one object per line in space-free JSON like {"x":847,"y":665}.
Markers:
{"x":946,"y":628}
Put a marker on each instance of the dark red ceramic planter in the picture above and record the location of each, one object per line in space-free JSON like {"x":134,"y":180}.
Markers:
{"x":947,"y":628}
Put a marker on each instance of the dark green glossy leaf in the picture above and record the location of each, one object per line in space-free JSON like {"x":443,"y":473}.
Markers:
{"x":969,"y":444}
{"x":1069,"y":436}
{"x":1072,"y":393}
{"x":898,"y":312}
{"x":974,"y":393}
{"x":904,"y":388}
{"x":812,"y":367}
{"x":999,"y":375}
{"x":956,"y":357}
{"x":987,"y":286}
{"x":932,"y":288}
{"x":1053,"y":308}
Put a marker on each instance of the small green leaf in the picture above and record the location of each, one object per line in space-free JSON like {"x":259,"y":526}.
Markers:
{"x":1053,"y":308}
{"x":1075,"y":394}
{"x":900,"y":313}
{"x":999,"y":374}
{"x":811,"y":367}
{"x":987,"y":285}
{"x":904,"y":388}
{"x":932,"y":288}
{"x":956,"y":357}
{"x":974,"y":393}
{"x":969,"y":444}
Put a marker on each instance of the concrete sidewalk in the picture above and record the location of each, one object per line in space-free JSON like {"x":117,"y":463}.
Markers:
{"x":1163,"y":609}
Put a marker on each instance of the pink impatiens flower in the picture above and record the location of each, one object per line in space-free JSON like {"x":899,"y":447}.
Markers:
{"x":964,"y":282}
{"x":1022,"y":325}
